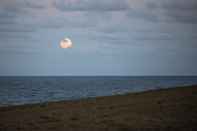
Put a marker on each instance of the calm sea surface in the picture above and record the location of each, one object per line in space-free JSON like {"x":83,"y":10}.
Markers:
{"x":22,"y":90}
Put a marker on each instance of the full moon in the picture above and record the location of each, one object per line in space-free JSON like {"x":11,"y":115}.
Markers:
{"x":65,"y":43}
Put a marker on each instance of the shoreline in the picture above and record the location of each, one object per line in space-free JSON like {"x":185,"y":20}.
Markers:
{"x":163,"y":109}
{"x":93,"y":97}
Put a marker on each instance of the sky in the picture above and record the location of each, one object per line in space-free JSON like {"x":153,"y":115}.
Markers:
{"x":110,"y":37}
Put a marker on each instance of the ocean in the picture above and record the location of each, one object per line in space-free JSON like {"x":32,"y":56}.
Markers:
{"x":26,"y":90}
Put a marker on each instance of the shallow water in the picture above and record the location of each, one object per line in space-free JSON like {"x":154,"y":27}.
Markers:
{"x":23,"y":90}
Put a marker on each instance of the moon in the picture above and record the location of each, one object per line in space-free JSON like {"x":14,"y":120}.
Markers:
{"x":65,"y":43}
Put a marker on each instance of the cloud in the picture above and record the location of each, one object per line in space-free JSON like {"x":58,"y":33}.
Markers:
{"x":131,"y":29}
{"x":23,"y":17}
{"x":18,"y":5}
{"x":10,"y":11}
{"x":34,"y":5}
{"x":28,"y":16}
{"x":150,"y":10}
{"x":18,"y":28}
{"x":180,"y":11}
{"x":91,"y":5}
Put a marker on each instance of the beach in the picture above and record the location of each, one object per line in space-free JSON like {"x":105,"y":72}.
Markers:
{"x":163,"y":110}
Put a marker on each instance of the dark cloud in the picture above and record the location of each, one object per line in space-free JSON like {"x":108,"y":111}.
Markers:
{"x":181,"y":5}
{"x":34,"y":5}
{"x":9,"y":12}
{"x":17,"y":28}
{"x":9,"y":26}
{"x":144,"y":15}
{"x":91,"y":5}
{"x":21,"y":5}
{"x":180,"y":11}
{"x":184,"y":17}
{"x":151,"y":10}
{"x":13,"y":16}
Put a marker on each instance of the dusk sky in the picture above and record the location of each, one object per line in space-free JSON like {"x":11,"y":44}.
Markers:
{"x":110,"y":37}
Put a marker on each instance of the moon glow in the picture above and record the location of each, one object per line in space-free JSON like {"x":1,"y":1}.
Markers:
{"x":65,"y":43}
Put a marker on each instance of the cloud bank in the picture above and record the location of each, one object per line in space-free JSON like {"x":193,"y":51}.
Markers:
{"x":129,"y":29}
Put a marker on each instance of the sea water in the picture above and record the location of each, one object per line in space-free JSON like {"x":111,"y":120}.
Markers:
{"x":25,"y":90}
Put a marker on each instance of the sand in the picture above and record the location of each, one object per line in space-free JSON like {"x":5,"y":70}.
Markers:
{"x":163,"y":110}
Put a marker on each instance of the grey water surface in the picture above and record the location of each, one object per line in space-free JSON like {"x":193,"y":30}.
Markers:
{"x":25,"y":90}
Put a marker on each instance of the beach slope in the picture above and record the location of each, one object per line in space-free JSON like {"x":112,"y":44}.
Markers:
{"x":163,"y":110}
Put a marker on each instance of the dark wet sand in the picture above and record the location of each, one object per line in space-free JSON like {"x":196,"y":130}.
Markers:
{"x":163,"y":110}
